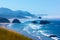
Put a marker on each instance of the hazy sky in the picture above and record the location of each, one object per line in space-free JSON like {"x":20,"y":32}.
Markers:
{"x":51,"y":7}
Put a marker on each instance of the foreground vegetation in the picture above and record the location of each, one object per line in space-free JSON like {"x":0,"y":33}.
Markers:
{"x":6,"y":34}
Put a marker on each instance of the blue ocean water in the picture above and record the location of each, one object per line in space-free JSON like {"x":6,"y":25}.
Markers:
{"x":38,"y":31}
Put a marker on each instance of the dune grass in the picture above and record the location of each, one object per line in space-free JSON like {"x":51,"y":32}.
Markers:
{"x":6,"y":34}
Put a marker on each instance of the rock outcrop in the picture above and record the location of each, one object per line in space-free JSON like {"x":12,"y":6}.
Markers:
{"x":16,"y":21}
{"x":4,"y":20}
{"x":44,"y":22}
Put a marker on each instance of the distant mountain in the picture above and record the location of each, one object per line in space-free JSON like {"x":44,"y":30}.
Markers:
{"x":8,"y":13}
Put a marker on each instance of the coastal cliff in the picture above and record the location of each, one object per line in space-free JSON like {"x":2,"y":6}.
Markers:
{"x":6,"y":34}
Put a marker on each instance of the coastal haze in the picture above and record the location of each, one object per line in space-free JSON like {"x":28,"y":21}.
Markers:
{"x":50,"y":7}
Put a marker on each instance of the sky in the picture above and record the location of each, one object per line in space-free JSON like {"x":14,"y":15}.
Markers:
{"x":50,"y":7}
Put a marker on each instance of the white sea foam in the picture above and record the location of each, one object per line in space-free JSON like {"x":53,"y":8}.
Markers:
{"x":26,"y":29}
{"x":42,"y":32}
{"x":55,"y":38}
{"x":34,"y":26}
{"x":31,"y":27}
{"x":9,"y":26}
{"x":39,"y":37}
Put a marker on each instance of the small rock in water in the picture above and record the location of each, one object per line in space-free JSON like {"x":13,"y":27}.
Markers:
{"x":52,"y":36}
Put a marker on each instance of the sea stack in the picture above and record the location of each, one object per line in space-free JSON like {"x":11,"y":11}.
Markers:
{"x":44,"y":22}
{"x":16,"y":21}
{"x":4,"y":20}
{"x":39,"y":17}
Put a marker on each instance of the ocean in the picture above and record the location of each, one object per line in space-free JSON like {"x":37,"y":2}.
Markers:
{"x":38,"y":31}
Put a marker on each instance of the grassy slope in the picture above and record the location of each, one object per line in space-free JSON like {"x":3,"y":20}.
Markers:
{"x":11,"y":35}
